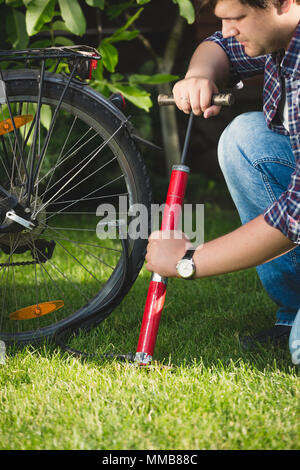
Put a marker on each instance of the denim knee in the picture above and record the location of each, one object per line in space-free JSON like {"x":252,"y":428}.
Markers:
{"x":242,"y":133}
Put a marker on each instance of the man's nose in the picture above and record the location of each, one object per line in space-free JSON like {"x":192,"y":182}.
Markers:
{"x":228,"y":29}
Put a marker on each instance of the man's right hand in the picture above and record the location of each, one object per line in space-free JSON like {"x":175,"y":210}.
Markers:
{"x":195,"y":93}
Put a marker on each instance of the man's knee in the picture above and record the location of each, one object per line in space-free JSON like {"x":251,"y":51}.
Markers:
{"x":239,"y":137}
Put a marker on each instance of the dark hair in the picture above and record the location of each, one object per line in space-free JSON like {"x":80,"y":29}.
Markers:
{"x":252,"y":3}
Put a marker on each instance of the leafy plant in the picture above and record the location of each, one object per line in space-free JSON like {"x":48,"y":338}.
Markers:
{"x":25,"y":19}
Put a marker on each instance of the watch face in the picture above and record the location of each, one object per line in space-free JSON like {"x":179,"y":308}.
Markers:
{"x":185,"y":268}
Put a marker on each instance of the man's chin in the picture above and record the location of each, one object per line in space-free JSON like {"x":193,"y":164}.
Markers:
{"x":250,"y":51}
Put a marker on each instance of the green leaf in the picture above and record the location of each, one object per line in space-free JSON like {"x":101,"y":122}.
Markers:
{"x":46,"y":116}
{"x":131,"y":20}
{"x":13,"y":3}
{"x":186,"y":9}
{"x":96,"y":3}
{"x":155,"y":79}
{"x":142,"y":2}
{"x":63,"y":41}
{"x":102,"y":87}
{"x":110,"y":55}
{"x":98,"y":73}
{"x":38,"y":13}
{"x":4,"y":112}
{"x":40,"y":43}
{"x":72,"y":15}
{"x":123,"y":36}
{"x":135,"y":95}
{"x":30,"y":109}
{"x":59,"y":26}
{"x":16,"y":29}
{"x":116,"y":10}
{"x":116,"y":77}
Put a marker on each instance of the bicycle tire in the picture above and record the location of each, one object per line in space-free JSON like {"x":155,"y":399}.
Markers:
{"x":95,"y":111}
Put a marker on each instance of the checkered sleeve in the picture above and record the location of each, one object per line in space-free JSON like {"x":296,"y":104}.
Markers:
{"x":241,"y":65}
{"x":284,"y":214}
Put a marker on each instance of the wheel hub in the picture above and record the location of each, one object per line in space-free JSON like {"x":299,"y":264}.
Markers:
{"x":17,"y":230}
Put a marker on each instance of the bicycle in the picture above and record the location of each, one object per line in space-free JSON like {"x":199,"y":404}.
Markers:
{"x":64,"y":150}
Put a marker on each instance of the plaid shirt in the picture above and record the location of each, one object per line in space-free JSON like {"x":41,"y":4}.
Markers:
{"x":284,"y":214}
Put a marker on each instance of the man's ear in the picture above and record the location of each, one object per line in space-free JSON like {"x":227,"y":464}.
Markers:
{"x":284,"y":6}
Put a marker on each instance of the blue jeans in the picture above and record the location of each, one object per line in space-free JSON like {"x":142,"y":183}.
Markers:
{"x":257,"y":164}
{"x":294,"y":340}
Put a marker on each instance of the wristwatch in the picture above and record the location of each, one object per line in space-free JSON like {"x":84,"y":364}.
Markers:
{"x":186,"y":267}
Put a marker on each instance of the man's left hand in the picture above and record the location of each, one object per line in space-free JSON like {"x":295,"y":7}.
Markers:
{"x":164,"y":250}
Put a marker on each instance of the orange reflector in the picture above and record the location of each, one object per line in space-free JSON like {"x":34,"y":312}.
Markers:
{"x":37,"y":310}
{"x":7,"y":125}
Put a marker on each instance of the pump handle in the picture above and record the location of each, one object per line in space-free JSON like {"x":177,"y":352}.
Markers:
{"x":219,"y":99}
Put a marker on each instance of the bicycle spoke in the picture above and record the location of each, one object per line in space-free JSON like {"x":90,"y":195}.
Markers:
{"x":12,"y":145}
{"x":87,"y":158}
{"x":56,"y":268}
{"x":5,"y":288}
{"x":5,"y":166}
{"x":33,"y":177}
{"x":60,"y":155}
{"x":85,"y":244}
{"x":14,"y":247}
{"x":86,"y":199}
{"x":6,"y":267}
{"x":89,"y":194}
{"x":80,"y":170}
{"x":65,"y":158}
{"x":72,"y":229}
{"x":36,"y":134}
{"x":89,"y":252}
{"x":14,"y":290}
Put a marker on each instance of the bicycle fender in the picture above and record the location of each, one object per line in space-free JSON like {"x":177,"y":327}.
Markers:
{"x":11,"y":75}
{"x":83,"y":87}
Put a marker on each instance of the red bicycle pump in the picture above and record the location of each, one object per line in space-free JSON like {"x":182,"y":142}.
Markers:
{"x":172,"y":212}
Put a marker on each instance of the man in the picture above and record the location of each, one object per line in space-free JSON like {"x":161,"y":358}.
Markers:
{"x":259,"y":153}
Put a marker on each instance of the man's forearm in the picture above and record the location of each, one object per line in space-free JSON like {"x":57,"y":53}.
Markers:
{"x":209,"y":61}
{"x":250,"y":245}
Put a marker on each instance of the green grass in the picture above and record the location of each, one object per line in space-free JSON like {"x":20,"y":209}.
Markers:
{"x":215,"y":395}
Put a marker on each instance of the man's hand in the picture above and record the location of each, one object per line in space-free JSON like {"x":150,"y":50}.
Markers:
{"x":208,"y":70}
{"x":165,"y":249}
{"x":196,"y":93}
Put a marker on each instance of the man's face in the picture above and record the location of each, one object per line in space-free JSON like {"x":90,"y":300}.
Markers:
{"x":258,"y":30}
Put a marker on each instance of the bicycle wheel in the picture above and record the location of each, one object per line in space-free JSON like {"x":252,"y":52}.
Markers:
{"x":58,"y":273}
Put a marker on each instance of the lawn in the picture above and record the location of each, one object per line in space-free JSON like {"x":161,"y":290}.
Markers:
{"x":211,"y":394}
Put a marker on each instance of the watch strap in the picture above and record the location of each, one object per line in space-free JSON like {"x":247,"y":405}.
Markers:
{"x":189,"y":254}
